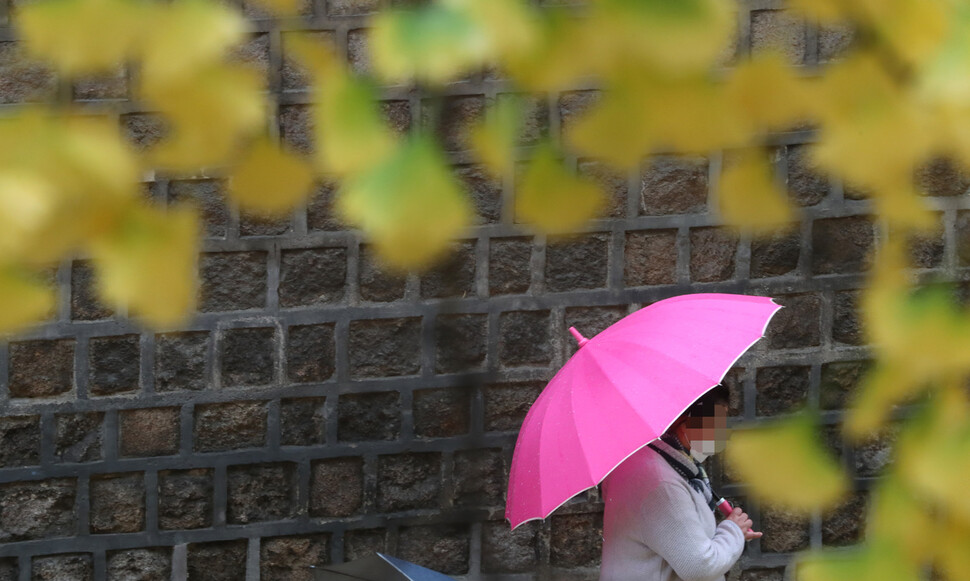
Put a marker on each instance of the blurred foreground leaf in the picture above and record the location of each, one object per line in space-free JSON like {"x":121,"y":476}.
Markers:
{"x":270,"y":180}
{"x":554,"y":199}
{"x":494,"y":138}
{"x":870,"y":562}
{"x":32,"y":298}
{"x":749,"y":197}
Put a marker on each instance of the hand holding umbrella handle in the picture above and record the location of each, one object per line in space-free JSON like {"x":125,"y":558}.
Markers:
{"x":725,"y":508}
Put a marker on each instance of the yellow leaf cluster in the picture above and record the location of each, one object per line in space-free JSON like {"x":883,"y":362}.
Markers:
{"x":552,"y":198}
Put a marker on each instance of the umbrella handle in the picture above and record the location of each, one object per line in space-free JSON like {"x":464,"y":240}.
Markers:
{"x":725,"y":507}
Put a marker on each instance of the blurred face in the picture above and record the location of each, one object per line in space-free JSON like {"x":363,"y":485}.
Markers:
{"x":708,"y":434}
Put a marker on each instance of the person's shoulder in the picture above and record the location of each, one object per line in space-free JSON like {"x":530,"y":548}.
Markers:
{"x":645,"y":466}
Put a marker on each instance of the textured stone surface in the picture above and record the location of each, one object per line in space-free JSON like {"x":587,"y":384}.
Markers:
{"x":259,"y":225}
{"x":589,"y":321}
{"x":442,"y":548}
{"x":261,"y":492}
{"x":962,"y":231}
{"x":784,"y":531}
{"x":310,"y":353}
{"x":108,"y":86}
{"x":248,"y":356}
{"x":185,"y":499}
{"x":385,"y":347}
{"x":219,"y":561}
{"x":358,"y":51}
{"x":78,"y":437}
{"x":254,"y":51}
{"x":673,"y":185}
{"x":712,"y":254}
{"x":442,"y":412}
{"x":460,"y":342}
{"x":320,"y":213}
{"x":842,"y":245}
{"x":779,"y":31}
{"x":454,"y":276}
{"x":70,"y":567}
{"x":834,"y":42}
{"x":229,"y":426}
{"x":806,"y":186}
{"x":181,"y":361}
{"x":763,"y":574}
{"x":798,"y":324}
{"x":535,"y":116}
{"x":41,"y":368}
{"x":479,"y":478}
{"x":293,"y":76}
{"x":369,"y":416}
{"x":942,"y":177}
{"x":524,"y":338}
{"x":844,"y":524}
{"x":9,"y":570}
{"x":154,"y":564}
{"x":303,"y":421}
{"x":114,"y":364}
{"x":117,"y":503}
{"x":296,"y":127}
{"x":775,"y":255}
{"x":144,"y":130}
{"x":573,"y":104}
{"x":650,"y":257}
{"x":840,"y":379}
{"x":408,"y":481}
{"x":397,"y":115}
{"x":376,"y":283}
{"x":85,"y":305}
{"x":505,"y":551}
{"x":846,"y":325}
{"x":19,"y":441}
{"x":457,"y":116}
{"x":577,"y":540}
{"x":209,"y":196}
{"x":232,"y":281}
{"x":926,"y":248}
{"x":781,"y":389}
{"x":337,"y":487}
{"x":613,"y":183}
{"x":149,"y":432}
{"x":507,"y":404}
{"x":22,"y":80}
{"x":291,"y":558}
{"x":872,"y":456}
{"x":363,"y":542}
{"x":313,"y":276}
{"x":37,"y":509}
{"x":508,"y":265}
{"x":577,"y":263}
{"x":485,"y":192}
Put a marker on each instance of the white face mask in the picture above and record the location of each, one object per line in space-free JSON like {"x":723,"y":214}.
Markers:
{"x":703,"y":449}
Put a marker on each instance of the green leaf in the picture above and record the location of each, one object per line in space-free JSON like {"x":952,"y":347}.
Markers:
{"x":554,"y":199}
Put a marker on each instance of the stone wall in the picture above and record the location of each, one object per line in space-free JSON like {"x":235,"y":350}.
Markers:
{"x":317,"y":409}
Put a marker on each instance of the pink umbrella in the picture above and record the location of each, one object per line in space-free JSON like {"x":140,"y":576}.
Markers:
{"x":623,"y":389}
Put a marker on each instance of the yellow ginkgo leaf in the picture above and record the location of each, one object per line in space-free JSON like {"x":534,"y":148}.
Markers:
{"x":269,"y":180}
{"x":825,"y":11}
{"x":147,"y":262}
{"x":882,"y":561}
{"x":786,"y":465}
{"x":281,"y":7}
{"x":618,"y":129}
{"x":563,"y":51}
{"x":410,"y":205}
{"x":511,"y":25}
{"x":914,"y":29}
{"x":897,"y":513}
{"x":554,"y":199}
{"x":495,"y":137}
{"x":749,"y":197}
{"x":350,"y":131}
{"x":26,"y":299}
{"x":765,"y":91}
{"x":83,"y":36}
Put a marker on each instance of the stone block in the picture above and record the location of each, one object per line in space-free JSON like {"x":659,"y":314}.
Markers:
{"x":798,"y":325}
{"x":314,"y":276}
{"x":840,"y":380}
{"x":712,"y":254}
{"x":785,"y":531}
{"x":442,"y":412}
{"x":846,"y":324}
{"x":229,"y":426}
{"x":576,"y":540}
{"x":845,"y":523}
{"x":103,"y":87}
{"x":385,"y":347}
{"x":209,"y":196}
{"x":455,"y":119}
{"x":461,"y":343}
{"x":181,"y":361}
{"x":296,"y":128}
{"x":68,"y":567}
{"x":480,"y":478}
{"x":834,"y":42}
{"x":218,"y":561}
{"x":612,"y":182}
{"x":776,"y":254}
{"x":763,"y":574}
{"x":149,"y":432}
{"x":114,"y":364}
{"x":303,"y":421}
{"x":806,"y":186}
{"x":85,"y":305}
{"x":650,"y":258}
{"x":872,"y":456}
{"x":397,"y":116}
{"x":359,"y":51}
{"x":408,"y":481}
{"x":248,"y":356}
{"x":310,"y":353}
{"x":232,"y":281}
{"x":78,"y":437}
{"x":291,"y":558}
{"x":443,"y":547}
{"x":38,"y":509}
{"x":507,"y":404}
{"x":573,"y":104}
{"x":779,"y":31}
{"x":579,"y":263}
{"x":375,"y":281}
{"x":842,"y":245}
{"x":19,"y":441}
{"x":152,"y":564}
{"x":360,"y":543}
{"x":41,"y":368}
{"x":253,"y":53}
{"x":144,"y":130}
{"x":320,"y":212}
{"x":117,"y":503}
{"x":507,"y":552}
{"x":524,"y":339}
{"x":337,"y":487}
{"x":185,"y":499}
{"x":535,"y":116}
{"x":589,"y":321}
{"x":369,"y":416}
{"x":9,"y":570}
{"x":485,"y":192}
{"x":262,"y":492}
{"x":454,"y":276}
{"x":23,"y":80}
{"x":260,"y":225}
{"x":781,"y":389}
{"x":293,"y":76}
{"x":732,"y":380}
{"x":509,"y":270}
{"x":673,"y":185}
{"x":942,"y":177}
{"x":926,"y":248}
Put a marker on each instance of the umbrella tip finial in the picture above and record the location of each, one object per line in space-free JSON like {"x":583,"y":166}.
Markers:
{"x":579,"y":337}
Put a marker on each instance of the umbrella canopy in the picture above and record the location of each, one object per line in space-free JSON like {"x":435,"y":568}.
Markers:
{"x":623,"y":389}
{"x":378,"y":567}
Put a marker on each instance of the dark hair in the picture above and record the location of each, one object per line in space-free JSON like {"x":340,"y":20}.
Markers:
{"x":704,"y":406}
